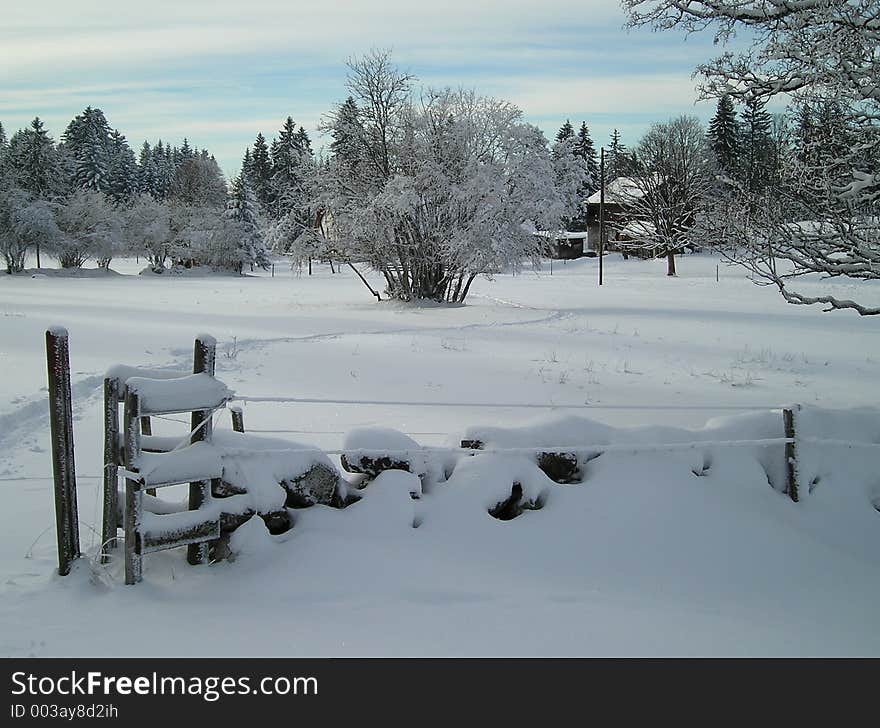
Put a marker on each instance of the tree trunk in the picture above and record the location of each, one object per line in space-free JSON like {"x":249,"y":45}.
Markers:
{"x":670,"y":262}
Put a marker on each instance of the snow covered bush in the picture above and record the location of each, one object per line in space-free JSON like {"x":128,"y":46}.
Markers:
{"x":437,"y":190}
{"x":24,"y":222}
{"x":90,"y":228}
{"x":148,"y":228}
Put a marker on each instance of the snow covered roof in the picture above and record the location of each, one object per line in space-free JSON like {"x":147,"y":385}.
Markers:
{"x":619,"y":190}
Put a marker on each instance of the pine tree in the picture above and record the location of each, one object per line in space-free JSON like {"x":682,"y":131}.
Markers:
{"x":347,"y":131}
{"x":122,"y":174}
{"x":261,"y":172}
{"x":288,"y":159}
{"x":3,"y":148}
{"x":756,"y":146}
{"x":565,"y":132}
{"x":304,"y":142}
{"x":723,"y":135}
{"x":87,"y":149}
{"x":584,"y":148}
{"x":241,"y":210}
{"x":35,"y":162}
{"x":618,"y":162}
{"x":90,"y":170}
{"x":148,"y":174}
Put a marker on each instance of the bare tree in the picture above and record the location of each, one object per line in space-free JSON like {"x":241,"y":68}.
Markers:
{"x":825,"y":217}
{"x":674,"y":174}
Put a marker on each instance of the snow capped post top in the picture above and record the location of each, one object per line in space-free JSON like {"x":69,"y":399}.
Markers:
{"x":58,"y":331}
{"x":207,"y":339}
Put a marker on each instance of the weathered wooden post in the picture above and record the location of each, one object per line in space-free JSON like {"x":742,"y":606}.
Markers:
{"x":791,"y":473}
{"x":63,"y":465}
{"x":237,"y":418}
{"x":110,"y":520}
{"x":133,"y":494}
{"x":204,"y":358}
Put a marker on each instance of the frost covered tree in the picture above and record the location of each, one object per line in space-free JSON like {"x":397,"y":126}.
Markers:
{"x":24,"y":222}
{"x":147,"y":227}
{"x":247,"y":246}
{"x":260,"y":172}
{"x":566,"y":131}
{"x":34,"y":162}
{"x":724,"y":136}
{"x":290,"y":167}
{"x":823,"y":220}
{"x":87,"y":150}
{"x":674,"y":173}
{"x":89,"y":228}
{"x":586,"y":150}
{"x":198,"y":181}
{"x":435,"y":192}
{"x":122,"y":171}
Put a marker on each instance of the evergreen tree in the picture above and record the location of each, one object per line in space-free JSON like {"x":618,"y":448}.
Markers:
{"x":724,"y":135}
{"x":247,"y":163}
{"x":584,"y":148}
{"x":565,"y":132}
{"x":756,"y":146}
{"x":288,"y":160}
{"x":618,"y":162}
{"x":3,"y":148}
{"x":241,"y":212}
{"x":304,"y":142}
{"x":86,"y":148}
{"x":35,"y":162}
{"x":261,"y":172}
{"x":148,"y":173}
{"x":347,"y":131}
{"x":91,"y":167}
{"x":123,"y":173}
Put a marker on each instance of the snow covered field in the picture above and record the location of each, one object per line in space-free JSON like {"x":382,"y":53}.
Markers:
{"x":642,"y":558}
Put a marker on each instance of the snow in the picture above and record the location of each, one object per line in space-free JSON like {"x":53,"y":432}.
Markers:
{"x":186,"y":394}
{"x":640,"y":556}
{"x":200,"y":461}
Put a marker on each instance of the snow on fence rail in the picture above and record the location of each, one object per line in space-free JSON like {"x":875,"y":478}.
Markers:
{"x":132,"y":453}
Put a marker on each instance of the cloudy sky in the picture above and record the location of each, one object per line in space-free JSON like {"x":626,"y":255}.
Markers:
{"x":218,"y":72}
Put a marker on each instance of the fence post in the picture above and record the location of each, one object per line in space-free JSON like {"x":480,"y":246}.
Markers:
{"x":110,"y":520}
{"x":237,"y":418}
{"x":204,"y":358}
{"x":791,"y":484}
{"x":63,"y":466}
{"x":133,"y":494}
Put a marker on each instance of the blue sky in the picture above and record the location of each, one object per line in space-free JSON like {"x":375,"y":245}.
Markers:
{"x":218,"y":72}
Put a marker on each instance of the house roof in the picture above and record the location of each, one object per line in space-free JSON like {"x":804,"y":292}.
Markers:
{"x":620,"y":190}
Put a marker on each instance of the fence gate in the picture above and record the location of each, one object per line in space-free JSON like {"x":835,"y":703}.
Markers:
{"x":152,"y":463}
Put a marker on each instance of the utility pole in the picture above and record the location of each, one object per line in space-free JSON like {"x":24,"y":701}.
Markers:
{"x":601,"y":210}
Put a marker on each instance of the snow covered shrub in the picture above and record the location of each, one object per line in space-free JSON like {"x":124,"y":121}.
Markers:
{"x":90,"y":228}
{"x":23,"y":222}
{"x":147,"y":225}
{"x":436,"y":191}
